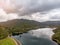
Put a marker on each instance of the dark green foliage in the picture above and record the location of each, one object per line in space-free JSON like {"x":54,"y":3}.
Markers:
{"x":18,"y":27}
{"x":22,"y":26}
{"x":56,"y":30}
{"x":56,"y":36}
{"x":3,"y":33}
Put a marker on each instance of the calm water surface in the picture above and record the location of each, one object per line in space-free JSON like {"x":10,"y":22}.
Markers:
{"x":36,"y":37}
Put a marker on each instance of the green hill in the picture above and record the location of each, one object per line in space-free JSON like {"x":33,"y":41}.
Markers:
{"x":7,"y":41}
{"x":18,"y":26}
{"x":56,"y":36}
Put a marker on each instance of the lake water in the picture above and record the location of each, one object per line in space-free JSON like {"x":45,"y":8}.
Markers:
{"x":40,"y":36}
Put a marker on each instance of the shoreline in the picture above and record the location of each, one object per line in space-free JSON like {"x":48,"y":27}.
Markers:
{"x":16,"y":41}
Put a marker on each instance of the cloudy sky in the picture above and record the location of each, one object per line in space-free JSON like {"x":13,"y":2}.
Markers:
{"x":38,"y":10}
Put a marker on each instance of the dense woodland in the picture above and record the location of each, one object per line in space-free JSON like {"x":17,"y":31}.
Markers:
{"x":56,"y":36}
{"x":3,"y":32}
{"x":18,"y":27}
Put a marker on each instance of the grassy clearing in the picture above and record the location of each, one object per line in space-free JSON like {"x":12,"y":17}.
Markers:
{"x":7,"y":41}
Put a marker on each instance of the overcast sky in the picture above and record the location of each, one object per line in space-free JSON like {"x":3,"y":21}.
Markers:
{"x":38,"y":10}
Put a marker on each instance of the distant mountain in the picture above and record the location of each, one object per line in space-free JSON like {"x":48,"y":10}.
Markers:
{"x":51,"y":23}
{"x":22,"y":22}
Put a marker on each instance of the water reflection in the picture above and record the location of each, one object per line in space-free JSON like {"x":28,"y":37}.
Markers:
{"x":30,"y":39}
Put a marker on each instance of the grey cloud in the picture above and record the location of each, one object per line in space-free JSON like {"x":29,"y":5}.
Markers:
{"x":33,"y":6}
{"x":39,"y":10}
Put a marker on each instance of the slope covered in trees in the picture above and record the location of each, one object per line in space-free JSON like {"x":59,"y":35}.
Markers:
{"x":18,"y":26}
{"x":56,"y":36}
